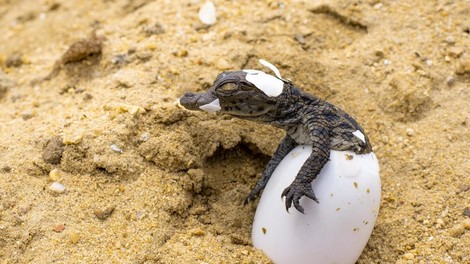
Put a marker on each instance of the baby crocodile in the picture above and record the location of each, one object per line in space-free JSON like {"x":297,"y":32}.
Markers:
{"x":307,"y":120}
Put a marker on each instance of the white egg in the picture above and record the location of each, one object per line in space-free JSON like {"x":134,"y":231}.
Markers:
{"x":334,"y":231}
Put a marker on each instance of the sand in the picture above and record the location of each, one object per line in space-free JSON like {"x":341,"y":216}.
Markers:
{"x":88,"y":93}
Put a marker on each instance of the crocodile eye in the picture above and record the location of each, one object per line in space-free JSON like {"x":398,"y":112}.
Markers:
{"x":228,"y":87}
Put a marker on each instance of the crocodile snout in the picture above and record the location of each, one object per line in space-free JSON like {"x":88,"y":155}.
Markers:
{"x":189,"y":100}
{"x":199,"y":101}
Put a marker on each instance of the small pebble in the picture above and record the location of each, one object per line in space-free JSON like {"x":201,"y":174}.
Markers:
{"x":410,"y":132}
{"x":139,"y":215}
{"x":197,"y":232}
{"x":58,"y":228}
{"x":119,"y":59}
{"x":450,"y":40}
{"x":440,"y":222}
{"x":55,"y":174}
{"x":115,"y":148}
{"x":131,"y":50}
{"x":378,"y":6}
{"x":6,"y":169}
{"x":455,"y":52}
{"x":5,"y":84}
{"x":14,"y":60}
{"x":463,"y":67}
{"x":299,"y":38}
{"x":74,"y":237}
{"x":223,"y":64}
{"x":57,"y":187}
{"x":151,"y":46}
{"x":450,"y":80}
{"x":28,"y":114}
{"x":104,"y":214}
{"x":72,"y":137}
{"x":82,"y":49}
{"x":466,"y":223}
{"x":144,"y":55}
{"x":207,"y":13}
{"x":408,"y":256}
{"x":145,"y":137}
{"x":445,"y":212}
{"x":180,"y":53}
{"x":466,"y":211}
{"x":457,"y":230}
{"x":125,"y":108}
{"x":24,"y":209}
{"x":87,"y":97}
{"x":422,"y":73}
{"x":156,"y":29}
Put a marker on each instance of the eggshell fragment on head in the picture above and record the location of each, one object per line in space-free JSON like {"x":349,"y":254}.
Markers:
{"x":211,"y":107}
{"x":271,"y":66}
{"x":334,"y":231}
{"x":268,"y":84}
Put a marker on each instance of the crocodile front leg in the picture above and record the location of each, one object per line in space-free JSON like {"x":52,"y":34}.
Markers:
{"x":302,"y":184}
{"x":287,"y":144}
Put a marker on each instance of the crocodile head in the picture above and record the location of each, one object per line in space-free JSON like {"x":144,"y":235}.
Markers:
{"x":247,"y":94}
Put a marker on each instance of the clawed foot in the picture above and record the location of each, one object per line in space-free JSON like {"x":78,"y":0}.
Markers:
{"x":295,"y":191}
{"x":252,"y":195}
{"x":258,"y":188}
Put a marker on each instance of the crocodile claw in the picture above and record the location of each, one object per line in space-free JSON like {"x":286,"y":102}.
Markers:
{"x":294,"y":192}
{"x":253,"y":194}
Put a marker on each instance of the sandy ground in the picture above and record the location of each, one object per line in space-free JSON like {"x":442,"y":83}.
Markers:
{"x":87,"y":99}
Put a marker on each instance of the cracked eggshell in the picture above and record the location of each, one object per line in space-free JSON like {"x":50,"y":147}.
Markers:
{"x":267,"y":83}
{"x":207,"y":13}
{"x":334,"y":231}
{"x":211,"y":107}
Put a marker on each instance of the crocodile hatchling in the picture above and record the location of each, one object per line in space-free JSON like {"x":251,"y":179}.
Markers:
{"x":307,"y":120}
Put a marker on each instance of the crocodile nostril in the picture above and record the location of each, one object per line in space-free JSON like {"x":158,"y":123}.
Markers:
{"x":189,"y":94}
{"x":188,"y":99}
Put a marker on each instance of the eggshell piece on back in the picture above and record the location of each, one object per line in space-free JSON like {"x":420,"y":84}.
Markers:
{"x":268,"y":84}
{"x":359,"y":135}
{"x":334,"y":231}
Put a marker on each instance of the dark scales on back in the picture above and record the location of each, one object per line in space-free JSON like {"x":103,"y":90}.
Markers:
{"x":307,"y":120}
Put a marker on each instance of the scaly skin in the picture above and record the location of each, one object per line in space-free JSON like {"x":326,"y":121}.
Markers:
{"x":306,"y":119}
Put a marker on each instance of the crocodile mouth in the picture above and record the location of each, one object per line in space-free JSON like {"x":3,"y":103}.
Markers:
{"x":201,"y":101}
{"x":253,"y":116}
{"x":210,"y":103}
